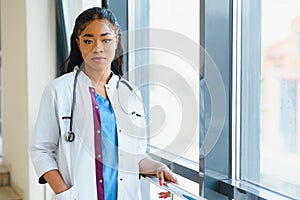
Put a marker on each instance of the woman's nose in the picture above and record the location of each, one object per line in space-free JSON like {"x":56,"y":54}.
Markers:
{"x":98,"y":47}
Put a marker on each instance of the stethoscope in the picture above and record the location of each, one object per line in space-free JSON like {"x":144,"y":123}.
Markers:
{"x":70,"y":135}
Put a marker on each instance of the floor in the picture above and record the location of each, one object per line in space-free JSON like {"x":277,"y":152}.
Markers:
{"x":6,"y":192}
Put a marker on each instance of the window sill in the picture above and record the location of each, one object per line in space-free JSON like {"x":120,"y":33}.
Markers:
{"x":233,"y":188}
{"x":181,"y":166}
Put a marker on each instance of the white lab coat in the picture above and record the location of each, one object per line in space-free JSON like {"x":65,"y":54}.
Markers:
{"x":76,"y":160}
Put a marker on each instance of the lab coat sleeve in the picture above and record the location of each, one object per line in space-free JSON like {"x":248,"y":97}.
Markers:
{"x":44,"y":140}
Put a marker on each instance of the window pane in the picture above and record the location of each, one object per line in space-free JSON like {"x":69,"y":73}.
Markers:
{"x":278,"y":145}
{"x":181,"y":78}
{"x":280,"y":161}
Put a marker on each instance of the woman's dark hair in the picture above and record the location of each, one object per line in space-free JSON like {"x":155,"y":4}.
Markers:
{"x":75,"y":58}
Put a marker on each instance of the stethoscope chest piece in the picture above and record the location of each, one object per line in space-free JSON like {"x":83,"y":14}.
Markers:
{"x":69,"y":136}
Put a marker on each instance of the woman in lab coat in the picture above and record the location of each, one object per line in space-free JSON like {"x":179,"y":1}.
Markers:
{"x":89,"y":141}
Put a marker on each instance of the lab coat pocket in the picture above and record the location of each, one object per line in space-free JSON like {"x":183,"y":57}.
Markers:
{"x":69,"y":194}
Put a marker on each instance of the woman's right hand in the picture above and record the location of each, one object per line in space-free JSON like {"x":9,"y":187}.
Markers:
{"x":55,"y":181}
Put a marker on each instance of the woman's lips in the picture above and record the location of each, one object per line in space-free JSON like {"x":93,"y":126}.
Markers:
{"x":98,"y":59}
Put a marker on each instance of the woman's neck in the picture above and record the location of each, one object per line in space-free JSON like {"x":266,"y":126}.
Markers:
{"x":98,"y":77}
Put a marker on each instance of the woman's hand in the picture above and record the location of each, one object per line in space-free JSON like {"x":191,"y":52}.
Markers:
{"x":55,"y":180}
{"x":164,"y":176}
{"x":149,"y":167}
{"x":164,"y":195}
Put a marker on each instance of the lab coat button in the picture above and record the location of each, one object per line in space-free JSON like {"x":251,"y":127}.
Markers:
{"x":96,"y":107}
{"x":98,"y":131}
{"x":121,"y":179}
{"x":100,"y":181}
{"x":99,"y":156}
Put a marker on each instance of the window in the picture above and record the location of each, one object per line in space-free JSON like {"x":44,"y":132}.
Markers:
{"x":270,"y":137}
{"x":164,"y":59}
{"x":173,"y":79}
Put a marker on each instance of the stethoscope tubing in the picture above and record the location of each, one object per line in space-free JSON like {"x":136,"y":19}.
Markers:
{"x":73,"y":99}
{"x":70,"y":135}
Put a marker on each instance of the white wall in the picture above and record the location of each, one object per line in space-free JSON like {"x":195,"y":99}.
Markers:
{"x":15,"y":92}
{"x":41,"y":50}
{"x":28,"y":61}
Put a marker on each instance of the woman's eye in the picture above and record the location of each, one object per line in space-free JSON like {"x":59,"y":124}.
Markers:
{"x":87,"y":41}
{"x":107,"y":40}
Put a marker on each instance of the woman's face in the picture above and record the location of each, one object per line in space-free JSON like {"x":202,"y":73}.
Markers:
{"x":97,"y":44}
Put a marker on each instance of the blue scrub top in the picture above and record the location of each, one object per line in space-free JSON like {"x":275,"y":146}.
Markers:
{"x":109,"y":148}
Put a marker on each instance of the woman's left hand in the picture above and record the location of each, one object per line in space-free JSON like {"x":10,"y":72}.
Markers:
{"x":164,"y":195}
{"x":164,"y":176}
{"x":150,"y":167}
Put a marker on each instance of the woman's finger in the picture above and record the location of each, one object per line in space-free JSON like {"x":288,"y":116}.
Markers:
{"x":168,"y":175}
{"x":164,"y":194}
{"x":160,"y":176}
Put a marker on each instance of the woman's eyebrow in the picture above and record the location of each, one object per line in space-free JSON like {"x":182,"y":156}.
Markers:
{"x":91,"y":35}
{"x":104,"y":34}
{"x":88,"y":35}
